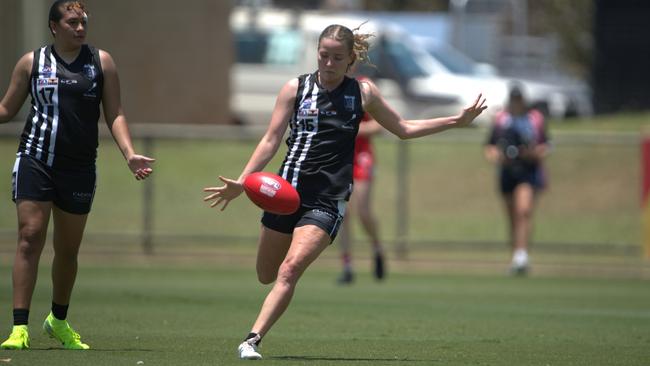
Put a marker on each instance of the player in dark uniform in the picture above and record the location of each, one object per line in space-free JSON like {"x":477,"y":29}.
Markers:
{"x":323,"y":111}
{"x":518,"y":143}
{"x":54,"y":173}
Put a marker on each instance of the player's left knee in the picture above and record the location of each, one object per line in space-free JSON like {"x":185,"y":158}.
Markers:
{"x":289,"y":272}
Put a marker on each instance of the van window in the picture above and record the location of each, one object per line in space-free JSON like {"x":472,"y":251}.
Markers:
{"x":280,"y":47}
{"x":455,"y":61}
{"x":403,"y":59}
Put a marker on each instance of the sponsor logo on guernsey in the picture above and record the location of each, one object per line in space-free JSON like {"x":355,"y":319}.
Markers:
{"x":46,"y":70}
{"x":47,"y":81}
{"x":349,"y":124}
{"x":305,"y":113}
{"x":82,"y":196}
{"x":92,"y":91}
{"x":348,"y":102}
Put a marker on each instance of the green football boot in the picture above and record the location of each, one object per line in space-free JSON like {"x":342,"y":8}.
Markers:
{"x":18,"y":339}
{"x":62,"y":332}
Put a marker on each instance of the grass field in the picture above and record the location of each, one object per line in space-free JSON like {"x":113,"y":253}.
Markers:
{"x":164,"y":314}
{"x":451,"y":303}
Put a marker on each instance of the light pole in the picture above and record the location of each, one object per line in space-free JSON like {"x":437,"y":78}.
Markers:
{"x":458,"y":9}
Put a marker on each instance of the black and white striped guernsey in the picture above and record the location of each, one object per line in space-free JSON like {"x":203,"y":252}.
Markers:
{"x":321,"y":139}
{"x":61,"y":129}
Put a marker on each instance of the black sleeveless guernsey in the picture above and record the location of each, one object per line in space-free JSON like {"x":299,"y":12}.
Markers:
{"x":61,"y":129}
{"x":321,"y":140}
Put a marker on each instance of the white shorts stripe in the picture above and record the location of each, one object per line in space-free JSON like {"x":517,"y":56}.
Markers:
{"x":14,"y":177}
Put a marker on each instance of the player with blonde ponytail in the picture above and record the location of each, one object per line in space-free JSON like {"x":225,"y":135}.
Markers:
{"x":322,"y":111}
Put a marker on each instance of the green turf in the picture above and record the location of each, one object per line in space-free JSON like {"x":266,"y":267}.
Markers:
{"x":622,"y":122}
{"x":176,"y":315}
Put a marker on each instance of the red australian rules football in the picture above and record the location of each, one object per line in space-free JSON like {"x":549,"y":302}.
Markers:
{"x":271,"y":193}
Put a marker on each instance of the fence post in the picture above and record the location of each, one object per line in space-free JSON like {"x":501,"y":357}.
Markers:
{"x":147,"y":203}
{"x":645,"y":192}
{"x":402,"y":207}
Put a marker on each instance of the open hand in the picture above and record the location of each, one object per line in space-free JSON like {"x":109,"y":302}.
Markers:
{"x":227,"y":192}
{"x":471,"y":112}
{"x":139,"y":166}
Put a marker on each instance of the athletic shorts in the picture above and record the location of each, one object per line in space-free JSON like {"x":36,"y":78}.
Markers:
{"x":70,"y":190}
{"x":326,"y":214}
{"x":364,"y":166}
{"x":511,"y":178}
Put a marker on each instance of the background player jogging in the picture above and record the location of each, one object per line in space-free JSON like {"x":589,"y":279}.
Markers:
{"x":518,"y":144}
{"x":54,"y":172}
{"x":322,"y":110}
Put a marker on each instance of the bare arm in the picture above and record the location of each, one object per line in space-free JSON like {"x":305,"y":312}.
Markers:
{"x":493,"y":154}
{"x":375,"y":104}
{"x":116,"y":121}
{"x":265,"y":150}
{"x":18,"y":88}
{"x":369,"y":128}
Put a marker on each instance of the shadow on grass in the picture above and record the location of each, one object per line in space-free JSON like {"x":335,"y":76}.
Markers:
{"x":347,"y":359}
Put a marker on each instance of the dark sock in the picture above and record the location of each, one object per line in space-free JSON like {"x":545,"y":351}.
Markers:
{"x":59,"y":311}
{"x":21,"y":316}
{"x":254,"y":335}
{"x":347,"y":262}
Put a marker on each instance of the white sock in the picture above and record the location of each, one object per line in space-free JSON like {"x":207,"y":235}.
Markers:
{"x":520,"y":258}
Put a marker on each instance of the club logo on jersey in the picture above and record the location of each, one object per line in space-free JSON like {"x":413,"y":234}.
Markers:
{"x":306,"y":104}
{"x":46,"y":70}
{"x":90,"y":72}
{"x":348,"y":102}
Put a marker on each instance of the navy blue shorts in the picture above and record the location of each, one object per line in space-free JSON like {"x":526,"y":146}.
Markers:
{"x":512,"y":177}
{"x":70,"y":190}
{"x":326,"y":214}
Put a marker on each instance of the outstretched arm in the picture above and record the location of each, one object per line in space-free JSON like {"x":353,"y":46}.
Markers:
{"x":116,"y":121}
{"x":375,"y":104}
{"x":264,"y":152}
{"x":18,"y":88}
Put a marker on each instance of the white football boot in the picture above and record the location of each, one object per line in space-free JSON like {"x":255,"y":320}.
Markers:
{"x":248,"y":350}
{"x":520,"y":262}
